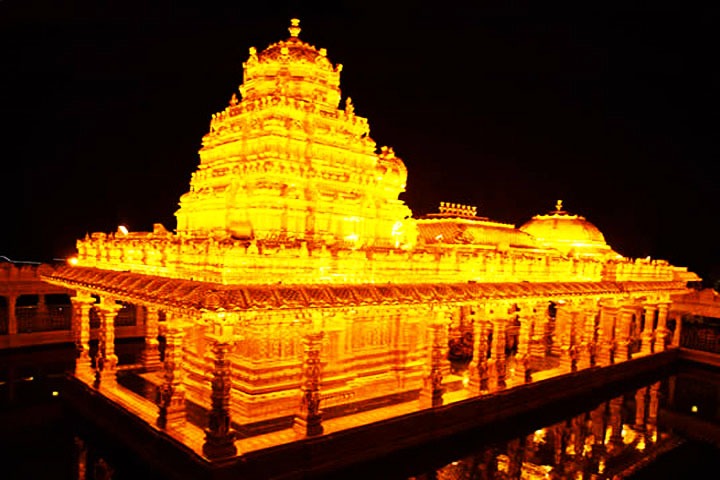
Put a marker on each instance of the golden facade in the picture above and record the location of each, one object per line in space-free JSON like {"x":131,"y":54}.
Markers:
{"x":297,"y":282}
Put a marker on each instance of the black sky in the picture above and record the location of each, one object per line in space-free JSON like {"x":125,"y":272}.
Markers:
{"x":614,"y":109}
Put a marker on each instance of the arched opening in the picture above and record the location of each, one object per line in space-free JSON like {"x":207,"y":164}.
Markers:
{"x":4,"y":315}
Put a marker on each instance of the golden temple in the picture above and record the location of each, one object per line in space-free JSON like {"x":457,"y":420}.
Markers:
{"x":298,"y":290}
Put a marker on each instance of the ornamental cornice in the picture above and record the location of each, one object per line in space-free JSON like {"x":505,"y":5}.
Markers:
{"x":173,"y":293}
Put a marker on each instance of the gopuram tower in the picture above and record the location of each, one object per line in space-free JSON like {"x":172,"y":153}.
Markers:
{"x":286,"y":164}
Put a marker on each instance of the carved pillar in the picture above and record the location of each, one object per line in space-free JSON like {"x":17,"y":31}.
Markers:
{"x":653,"y":411}
{"x":497,"y":359}
{"x":624,"y":334}
{"x":478,"y":365}
{"x":565,"y":334}
{"x":616,"y":423}
{"x":431,"y":394}
{"x":557,"y":327}
{"x":515,"y":451}
{"x":662,"y":331}
{"x":150,"y":355}
{"x":522,"y":368}
{"x":106,"y":363}
{"x":577,"y":425}
{"x":539,"y":345}
{"x":171,"y":394}
{"x":587,"y":347}
{"x":12,"y":317}
{"x":640,"y":409}
{"x":597,"y":417}
{"x":219,"y":436}
{"x":647,"y":336}
{"x":559,"y":442}
{"x":81,"y":335}
{"x":308,"y":420}
{"x":606,"y":336}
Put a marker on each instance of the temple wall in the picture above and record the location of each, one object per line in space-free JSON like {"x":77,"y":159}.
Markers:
{"x":368,"y":353}
{"x":233,"y":262}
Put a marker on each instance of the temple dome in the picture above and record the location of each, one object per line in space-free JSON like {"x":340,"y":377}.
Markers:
{"x":292,"y":68}
{"x":294,"y":50}
{"x":571,"y":234}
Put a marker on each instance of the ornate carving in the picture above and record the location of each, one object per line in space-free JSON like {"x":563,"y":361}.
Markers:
{"x":219,"y":436}
{"x":308,"y":421}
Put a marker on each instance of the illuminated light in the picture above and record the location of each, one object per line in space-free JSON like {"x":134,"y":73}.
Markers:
{"x":55,"y":393}
{"x":466,"y":380}
{"x":640,"y":446}
{"x":72,"y":260}
{"x":694,"y":409}
{"x":123,"y":229}
{"x":539,"y":436}
{"x":353,"y":237}
{"x":29,"y":379}
{"x":601,"y":466}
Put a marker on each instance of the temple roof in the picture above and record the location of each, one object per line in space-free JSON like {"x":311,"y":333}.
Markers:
{"x":176,"y":293}
{"x":292,"y":68}
{"x":293,"y":49}
{"x":568,"y":233}
{"x":459,"y":224}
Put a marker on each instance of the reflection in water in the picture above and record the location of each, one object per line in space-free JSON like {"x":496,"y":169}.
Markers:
{"x":611,"y":440}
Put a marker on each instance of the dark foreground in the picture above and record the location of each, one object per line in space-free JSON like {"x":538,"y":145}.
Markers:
{"x":44,"y":437}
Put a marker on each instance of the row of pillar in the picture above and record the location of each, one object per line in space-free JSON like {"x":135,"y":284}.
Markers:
{"x":581,"y":446}
{"x":219,"y":436}
{"x":582,"y":338}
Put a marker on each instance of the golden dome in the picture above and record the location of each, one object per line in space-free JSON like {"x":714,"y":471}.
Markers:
{"x":571,"y":234}
{"x":294,"y":49}
{"x":292,"y":68}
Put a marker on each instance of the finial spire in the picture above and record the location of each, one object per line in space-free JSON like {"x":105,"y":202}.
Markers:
{"x":294,"y":28}
{"x":558,"y":206}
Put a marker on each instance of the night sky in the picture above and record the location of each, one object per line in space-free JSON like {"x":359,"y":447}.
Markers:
{"x":612,"y":109}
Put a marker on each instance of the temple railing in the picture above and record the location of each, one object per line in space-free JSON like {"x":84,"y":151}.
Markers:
{"x":700,"y":333}
{"x":52,"y":318}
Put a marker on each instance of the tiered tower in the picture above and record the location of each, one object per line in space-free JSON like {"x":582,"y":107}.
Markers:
{"x":285,"y":163}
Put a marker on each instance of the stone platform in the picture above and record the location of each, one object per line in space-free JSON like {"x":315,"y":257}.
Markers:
{"x":382,"y":431}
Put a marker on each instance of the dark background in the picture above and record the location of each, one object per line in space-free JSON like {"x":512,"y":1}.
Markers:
{"x":613,"y":109}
